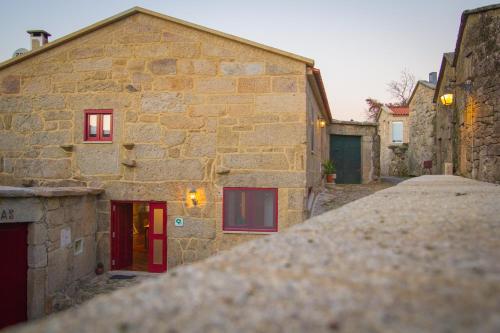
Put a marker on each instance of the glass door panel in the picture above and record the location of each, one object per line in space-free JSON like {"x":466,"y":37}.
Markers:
{"x":157,"y":237}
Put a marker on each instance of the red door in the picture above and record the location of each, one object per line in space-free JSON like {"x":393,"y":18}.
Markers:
{"x":157,"y":257}
{"x":121,"y":235}
{"x":13,"y":273}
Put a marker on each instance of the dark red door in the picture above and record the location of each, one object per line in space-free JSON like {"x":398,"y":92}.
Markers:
{"x":13,"y":273}
{"x":121,"y":235}
{"x":157,"y":257}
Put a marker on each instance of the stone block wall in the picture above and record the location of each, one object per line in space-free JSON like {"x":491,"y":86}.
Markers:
{"x":55,"y":263}
{"x":421,"y":145}
{"x":478,"y":115}
{"x":445,"y":127}
{"x":201,"y":111}
{"x":370,"y":145}
{"x":385,"y":132}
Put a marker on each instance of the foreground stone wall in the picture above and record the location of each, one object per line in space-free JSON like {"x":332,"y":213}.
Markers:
{"x":421,"y":122}
{"x":478,"y":114}
{"x":54,"y":264}
{"x":416,"y":257}
{"x":385,"y":132}
{"x":190,"y":109}
{"x":370,"y":145}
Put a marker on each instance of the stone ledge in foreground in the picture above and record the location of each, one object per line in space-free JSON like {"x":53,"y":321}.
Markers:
{"x":414,"y":257}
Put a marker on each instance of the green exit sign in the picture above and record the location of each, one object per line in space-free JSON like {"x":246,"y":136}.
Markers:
{"x":179,"y":222}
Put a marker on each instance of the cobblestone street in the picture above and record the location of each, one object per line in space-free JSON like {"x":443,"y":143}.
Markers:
{"x":93,"y":286}
{"x":341,"y":194}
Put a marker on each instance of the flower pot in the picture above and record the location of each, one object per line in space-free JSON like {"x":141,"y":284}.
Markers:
{"x":330,"y":178}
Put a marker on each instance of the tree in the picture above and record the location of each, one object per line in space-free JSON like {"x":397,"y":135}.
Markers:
{"x":401,"y":90}
{"x":374,"y":107}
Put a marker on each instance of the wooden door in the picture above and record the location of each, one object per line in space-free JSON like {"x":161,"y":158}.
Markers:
{"x":345,"y":150}
{"x":13,"y":273}
{"x":122,"y":235}
{"x":157,"y":256}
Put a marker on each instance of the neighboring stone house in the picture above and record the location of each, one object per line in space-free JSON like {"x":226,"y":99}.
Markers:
{"x":394,"y":136}
{"x":421,"y":123}
{"x":446,"y":141}
{"x":355,"y":149}
{"x":199,"y":139}
{"x":473,"y":78}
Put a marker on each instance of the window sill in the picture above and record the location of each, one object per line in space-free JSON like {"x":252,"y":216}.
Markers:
{"x":249,"y":232}
{"x":98,"y":142}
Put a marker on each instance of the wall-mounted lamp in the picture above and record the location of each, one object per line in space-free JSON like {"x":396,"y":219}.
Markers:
{"x":192,"y":197}
{"x":322,"y":123}
{"x":446,"y":99}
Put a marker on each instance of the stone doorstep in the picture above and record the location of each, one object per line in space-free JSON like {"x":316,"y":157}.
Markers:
{"x":131,"y":273}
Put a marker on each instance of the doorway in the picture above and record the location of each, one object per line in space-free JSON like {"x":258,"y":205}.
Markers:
{"x":139,"y":236}
{"x":345,"y":150}
{"x":13,"y":273}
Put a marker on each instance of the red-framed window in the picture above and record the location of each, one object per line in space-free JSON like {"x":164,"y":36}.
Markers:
{"x":98,"y":125}
{"x":250,"y":209}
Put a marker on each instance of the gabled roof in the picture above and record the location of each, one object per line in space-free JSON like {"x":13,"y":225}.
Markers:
{"x":463,"y":23}
{"x":136,"y":10}
{"x":398,"y":111}
{"x":447,"y":60}
{"x":423,"y":83}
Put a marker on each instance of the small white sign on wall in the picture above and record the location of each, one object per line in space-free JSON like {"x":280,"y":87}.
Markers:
{"x":179,"y":222}
{"x":65,"y":237}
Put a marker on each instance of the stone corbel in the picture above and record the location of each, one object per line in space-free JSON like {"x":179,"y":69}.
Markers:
{"x":128,"y":145}
{"x":68,"y":148}
{"x":222,"y":171}
{"x":129,"y":163}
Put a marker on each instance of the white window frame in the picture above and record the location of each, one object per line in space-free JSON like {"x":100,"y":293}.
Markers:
{"x":392,"y":131}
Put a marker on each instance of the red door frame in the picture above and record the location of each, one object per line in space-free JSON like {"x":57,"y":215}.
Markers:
{"x":165,"y":235}
{"x":157,"y":268}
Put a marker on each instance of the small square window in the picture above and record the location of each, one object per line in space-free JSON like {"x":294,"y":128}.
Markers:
{"x":78,"y":246}
{"x":250,"y":209}
{"x":98,"y":125}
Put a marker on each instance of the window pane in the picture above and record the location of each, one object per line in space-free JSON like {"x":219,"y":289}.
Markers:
{"x":157,"y":251}
{"x":397,"y":132}
{"x":250,"y":209}
{"x":92,"y":125}
{"x":158,"y":221}
{"x":106,"y":125}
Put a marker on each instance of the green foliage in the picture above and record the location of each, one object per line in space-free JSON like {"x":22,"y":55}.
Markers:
{"x":329,"y":167}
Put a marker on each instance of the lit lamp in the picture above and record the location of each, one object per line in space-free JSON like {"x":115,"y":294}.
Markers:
{"x":322,"y":123}
{"x":446,"y":99}
{"x":192,"y":196}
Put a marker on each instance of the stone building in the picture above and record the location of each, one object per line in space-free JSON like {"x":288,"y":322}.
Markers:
{"x":421,"y":122}
{"x":393,"y":131}
{"x":199,"y":139}
{"x":355,"y":148}
{"x":468,"y":130}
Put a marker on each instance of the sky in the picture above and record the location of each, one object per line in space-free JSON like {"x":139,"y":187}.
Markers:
{"x":359,"y":45}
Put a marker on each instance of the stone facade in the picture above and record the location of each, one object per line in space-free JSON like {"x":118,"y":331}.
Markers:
{"x":54,"y":264}
{"x":385,"y":119}
{"x":474,"y":117}
{"x":421,"y":121}
{"x":446,"y":141}
{"x":192,"y":108}
{"x":370,"y":145}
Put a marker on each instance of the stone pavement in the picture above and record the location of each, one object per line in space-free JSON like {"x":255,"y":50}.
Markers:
{"x":86,"y":289}
{"x":422,"y":256}
{"x":338,"y":195}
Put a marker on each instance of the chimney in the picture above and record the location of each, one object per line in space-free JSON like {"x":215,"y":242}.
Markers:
{"x":38,"y":38}
{"x":433,"y":77}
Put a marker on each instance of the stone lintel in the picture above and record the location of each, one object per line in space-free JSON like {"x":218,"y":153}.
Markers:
{"x":47,"y":192}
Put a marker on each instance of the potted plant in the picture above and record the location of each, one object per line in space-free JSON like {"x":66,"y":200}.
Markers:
{"x":329,"y":170}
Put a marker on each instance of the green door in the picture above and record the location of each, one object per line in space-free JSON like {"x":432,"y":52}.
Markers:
{"x":345,"y":150}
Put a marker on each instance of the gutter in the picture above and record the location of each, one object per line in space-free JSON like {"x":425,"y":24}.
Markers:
{"x":316,"y":82}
